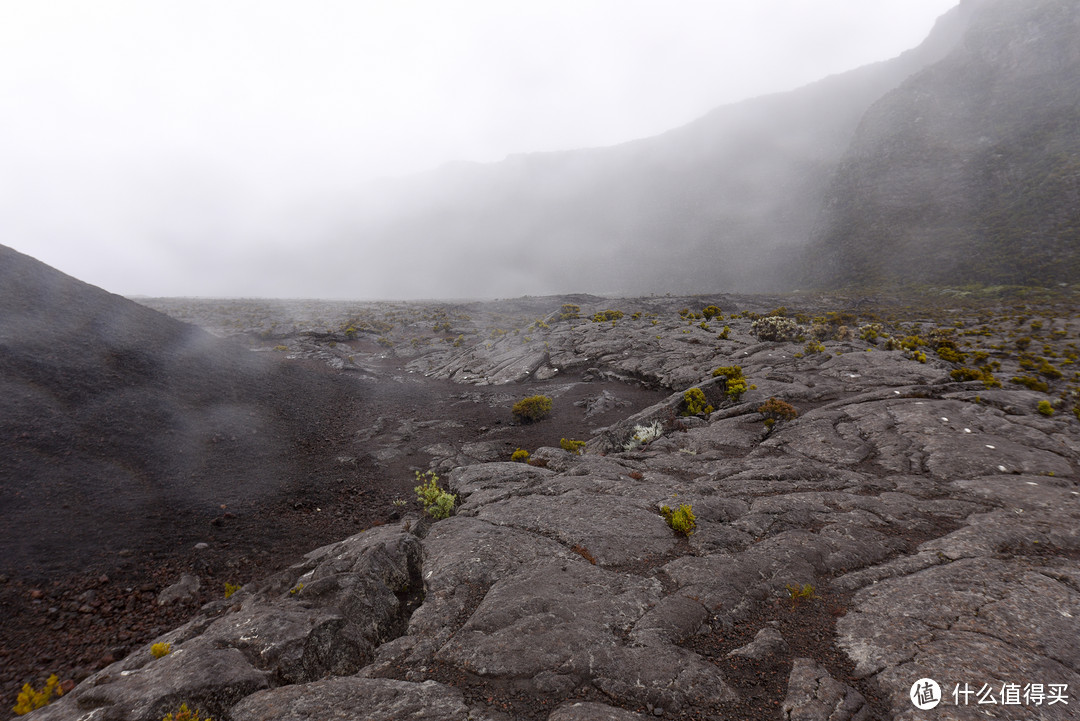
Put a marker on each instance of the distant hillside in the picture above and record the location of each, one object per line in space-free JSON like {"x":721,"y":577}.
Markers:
{"x":970,"y":170}
{"x":121,"y":427}
{"x":717,"y":204}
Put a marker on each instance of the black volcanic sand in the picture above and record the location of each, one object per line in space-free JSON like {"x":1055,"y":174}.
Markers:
{"x":80,"y":587}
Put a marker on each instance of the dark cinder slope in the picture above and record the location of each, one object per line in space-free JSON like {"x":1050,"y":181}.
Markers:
{"x":970,"y":170}
{"x":121,"y":427}
{"x":717,"y":204}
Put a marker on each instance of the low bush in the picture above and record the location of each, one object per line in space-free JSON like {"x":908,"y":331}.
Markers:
{"x":1029,"y":382}
{"x":185,"y":714}
{"x":532,"y":409}
{"x":575,"y":447}
{"x":798,"y":593}
{"x":606,"y":315}
{"x":160,"y":650}
{"x":1045,"y":408}
{"x":30,"y":699}
{"x":775,"y":410}
{"x":696,"y":403}
{"x":775,"y":328}
{"x":438,"y":504}
{"x":520,"y":456}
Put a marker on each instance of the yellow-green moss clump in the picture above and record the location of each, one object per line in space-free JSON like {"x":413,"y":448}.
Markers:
{"x":520,"y":456}
{"x":682,"y":520}
{"x":572,"y":446}
{"x":186,"y":714}
{"x":160,"y":650}
{"x":30,"y":699}
{"x":532,"y":409}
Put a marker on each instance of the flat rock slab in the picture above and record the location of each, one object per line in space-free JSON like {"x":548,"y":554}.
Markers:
{"x":356,"y":699}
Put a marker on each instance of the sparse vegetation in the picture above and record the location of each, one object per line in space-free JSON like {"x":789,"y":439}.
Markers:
{"x":776,"y":328}
{"x":575,"y":447}
{"x":775,"y":410}
{"x":681,"y":520}
{"x":800,"y":594}
{"x":438,"y":504}
{"x":734,"y":381}
{"x":185,"y":714}
{"x":532,"y":409}
{"x":160,"y":650}
{"x":695,"y":403}
{"x":1045,"y":408}
{"x":30,"y":699}
{"x":231,"y":588}
{"x":520,"y":456}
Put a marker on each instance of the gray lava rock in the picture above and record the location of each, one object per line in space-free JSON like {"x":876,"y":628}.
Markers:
{"x":362,"y":699}
{"x":183,"y":591}
{"x":768,"y":642}
{"x":814,"y":695}
{"x":589,"y":711}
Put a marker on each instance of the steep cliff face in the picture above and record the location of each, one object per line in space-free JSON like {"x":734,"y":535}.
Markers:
{"x":718,"y":203}
{"x":970,"y":170}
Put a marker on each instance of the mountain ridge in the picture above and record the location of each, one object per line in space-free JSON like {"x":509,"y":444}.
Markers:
{"x":676,"y":212}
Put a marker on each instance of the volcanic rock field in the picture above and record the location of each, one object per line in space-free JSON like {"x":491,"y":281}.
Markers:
{"x":918,"y":517}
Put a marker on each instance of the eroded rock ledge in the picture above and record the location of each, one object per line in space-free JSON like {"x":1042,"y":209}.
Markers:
{"x":937,"y":524}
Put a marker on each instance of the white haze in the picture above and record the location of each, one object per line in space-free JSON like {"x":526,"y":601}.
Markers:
{"x":179,"y":148}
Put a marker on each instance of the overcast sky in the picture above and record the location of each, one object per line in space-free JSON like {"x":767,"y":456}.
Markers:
{"x":141,"y":141}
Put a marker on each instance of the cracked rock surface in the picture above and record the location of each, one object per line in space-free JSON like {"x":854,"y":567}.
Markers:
{"x":902,"y":526}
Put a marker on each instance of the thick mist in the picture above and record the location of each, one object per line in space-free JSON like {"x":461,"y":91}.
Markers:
{"x":406,"y":150}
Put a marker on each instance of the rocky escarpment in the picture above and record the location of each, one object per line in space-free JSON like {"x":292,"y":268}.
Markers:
{"x":903,"y":526}
{"x":969,"y":172}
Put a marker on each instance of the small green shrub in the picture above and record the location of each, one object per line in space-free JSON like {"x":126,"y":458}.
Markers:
{"x":160,"y":650}
{"x":295,"y":590}
{"x":776,"y":410}
{"x":230,"y":588}
{"x":1045,"y":408}
{"x":711,"y":311}
{"x":734,"y":381}
{"x":30,"y":699}
{"x":520,"y":456}
{"x":532,"y":409}
{"x":798,"y":593}
{"x":724,"y":334}
{"x":185,"y":714}
{"x":439,"y":504}
{"x":1029,"y":382}
{"x":682,"y":520}
{"x":950,"y":354}
{"x":572,"y":446}
{"x":606,"y":315}
{"x":971,"y":374}
{"x":696,"y":403}
{"x":870,"y":332}
{"x":570,"y":311}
